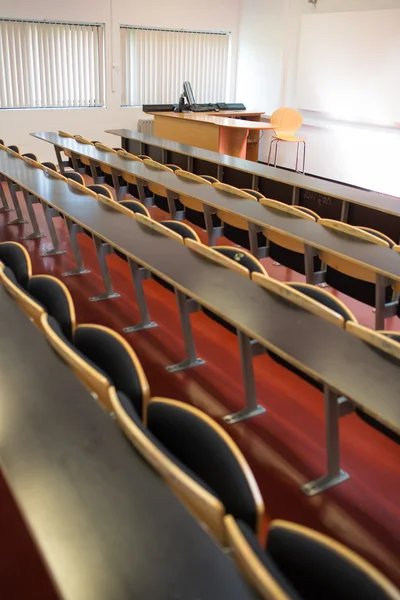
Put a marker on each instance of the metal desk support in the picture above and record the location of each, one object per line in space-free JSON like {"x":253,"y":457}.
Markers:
{"x":13,"y":193}
{"x":192,"y":360}
{"x":252,"y":407}
{"x":36,"y":231}
{"x":335,"y":407}
{"x":102,"y":249}
{"x":138,"y":274}
{"x":73,"y":229}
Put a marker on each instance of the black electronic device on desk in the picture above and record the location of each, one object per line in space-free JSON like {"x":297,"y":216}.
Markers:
{"x":231,"y":106}
{"x":191,"y":106}
{"x":158,"y":107}
{"x":204,"y":108}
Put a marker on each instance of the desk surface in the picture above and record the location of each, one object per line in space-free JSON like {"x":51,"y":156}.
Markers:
{"x":329,"y":354}
{"x":215,"y":119}
{"x":371,"y":199}
{"x":379,"y":258}
{"x":105,"y":523}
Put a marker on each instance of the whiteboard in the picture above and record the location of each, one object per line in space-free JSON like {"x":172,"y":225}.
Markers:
{"x":349,"y":65}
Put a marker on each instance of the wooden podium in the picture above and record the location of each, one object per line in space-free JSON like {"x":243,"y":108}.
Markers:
{"x":227,"y":132}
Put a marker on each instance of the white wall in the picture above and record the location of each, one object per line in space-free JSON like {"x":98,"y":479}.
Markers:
{"x":267,"y":69}
{"x":15,"y":125}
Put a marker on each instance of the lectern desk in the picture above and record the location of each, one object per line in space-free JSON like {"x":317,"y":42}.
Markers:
{"x":233,"y":133}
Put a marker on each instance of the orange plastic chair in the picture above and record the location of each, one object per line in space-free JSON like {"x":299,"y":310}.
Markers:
{"x":286,"y":122}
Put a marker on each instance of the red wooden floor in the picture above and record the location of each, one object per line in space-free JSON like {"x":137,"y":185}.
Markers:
{"x":284,"y":446}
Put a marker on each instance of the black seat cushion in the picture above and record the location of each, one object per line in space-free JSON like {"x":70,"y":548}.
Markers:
{"x":196,"y":444}
{"x":133,"y":190}
{"x":180,"y":228}
{"x":268,"y":562}
{"x":56,"y":327}
{"x":80,"y":165}
{"x":162,"y":203}
{"x":13,"y":256}
{"x":363,"y":291}
{"x":74,"y":176}
{"x":51,"y":296}
{"x":318,"y":572}
{"x":241,"y":237}
{"x":50,"y":165}
{"x":197,"y":218}
{"x":109,"y":180}
{"x":244,"y":259}
{"x":326,"y":300}
{"x":11,"y":276}
{"x":185,"y":232}
{"x":135,"y":207}
{"x":110,"y":356}
{"x":136,"y":418}
{"x":289,"y":258}
{"x":249,"y":262}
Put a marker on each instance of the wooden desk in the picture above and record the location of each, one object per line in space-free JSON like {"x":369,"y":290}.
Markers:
{"x":330,"y":200}
{"x":325,"y":352}
{"x":105,"y":523}
{"x":212,"y":131}
{"x":382,"y":260}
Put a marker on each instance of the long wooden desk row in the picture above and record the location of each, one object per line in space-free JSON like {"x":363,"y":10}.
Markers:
{"x":324,"y":351}
{"x":382,"y":261}
{"x":104,"y":522}
{"x":329,"y":199}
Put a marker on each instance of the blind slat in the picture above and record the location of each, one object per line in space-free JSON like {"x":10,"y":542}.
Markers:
{"x":156,"y":62}
{"x":50,"y":65}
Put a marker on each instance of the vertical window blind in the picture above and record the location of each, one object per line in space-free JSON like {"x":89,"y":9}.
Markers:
{"x":156,"y":62}
{"x":51,"y":65}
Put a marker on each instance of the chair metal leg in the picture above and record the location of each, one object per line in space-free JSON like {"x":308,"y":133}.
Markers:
{"x":102,"y":249}
{"x":246,"y":358}
{"x":212,"y":232}
{"x":13,"y":193}
{"x":345,"y":211}
{"x":73,"y":229}
{"x":380,"y":308}
{"x":117,"y":187}
{"x":4,"y":203}
{"x":59,"y":159}
{"x":75,"y":161}
{"x":253,"y":240}
{"x":48,"y":215}
{"x":309,"y":263}
{"x":295,"y":196}
{"x":270,"y":151}
{"x":184,"y":314}
{"x":138,"y":274}
{"x":220,"y":173}
{"x":335,"y":407}
{"x":276,"y":152}
{"x":304,"y":157}
{"x":171,"y":204}
{"x":142,"y":194}
{"x":36,"y":231}
{"x":297,"y":157}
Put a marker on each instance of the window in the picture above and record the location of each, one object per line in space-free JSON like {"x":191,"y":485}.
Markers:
{"x":156,"y":62}
{"x":50,"y":65}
